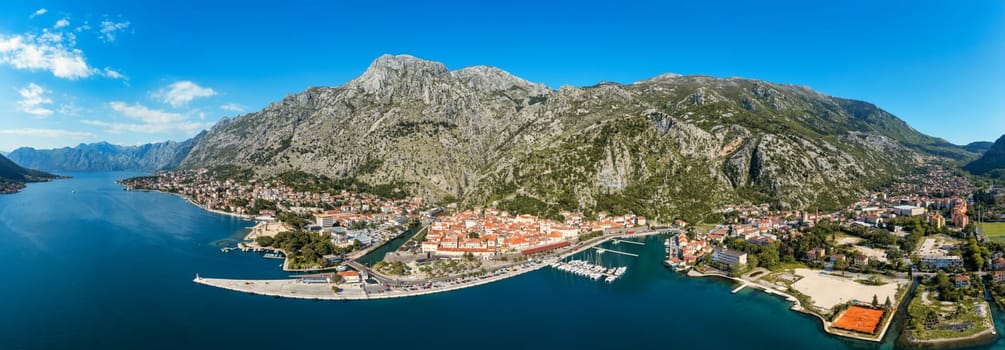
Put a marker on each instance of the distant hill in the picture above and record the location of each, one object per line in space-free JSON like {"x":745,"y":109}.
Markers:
{"x":104,"y":156}
{"x":992,"y":162}
{"x":11,"y":171}
{"x":13,"y":176}
{"x":978,"y":147}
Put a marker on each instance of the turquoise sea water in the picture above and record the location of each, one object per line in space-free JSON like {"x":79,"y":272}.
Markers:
{"x":87,"y":265}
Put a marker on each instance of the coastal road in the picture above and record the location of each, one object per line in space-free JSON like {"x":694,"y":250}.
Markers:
{"x":579,"y":247}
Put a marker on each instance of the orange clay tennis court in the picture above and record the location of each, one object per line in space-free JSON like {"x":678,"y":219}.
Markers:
{"x":859,"y":319}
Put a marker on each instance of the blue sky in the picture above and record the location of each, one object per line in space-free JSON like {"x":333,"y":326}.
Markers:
{"x":131,"y":72}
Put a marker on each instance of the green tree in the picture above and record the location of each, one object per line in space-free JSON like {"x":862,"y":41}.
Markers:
{"x":768,"y":257}
{"x":978,"y":260}
{"x":265,"y":241}
{"x":737,"y":269}
{"x":888,"y":304}
{"x":941,"y":279}
{"x":840,"y":264}
{"x":875,"y":301}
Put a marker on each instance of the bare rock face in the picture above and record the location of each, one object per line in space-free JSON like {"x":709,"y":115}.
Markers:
{"x":670,"y":146}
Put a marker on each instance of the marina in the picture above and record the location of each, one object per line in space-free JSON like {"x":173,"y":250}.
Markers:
{"x":591,"y":271}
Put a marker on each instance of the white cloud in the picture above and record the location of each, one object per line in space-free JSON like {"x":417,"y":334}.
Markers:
{"x":109,"y":29}
{"x":233,"y":107}
{"x":182,"y":92}
{"x":44,"y":52}
{"x":46,"y":133}
{"x":114,"y":74}
{"x":188,"y":127}
{"x":62,"y":22}
{"x":69,"y":109}
{"x":150,"y":121}
{"x":144,"y":114}
{"x":33,"y":100}
{"x":37,"y":13}
{"x":83,"y":27}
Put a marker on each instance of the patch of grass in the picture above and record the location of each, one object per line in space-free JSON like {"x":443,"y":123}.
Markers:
{"x":994,"y":230}
{"x":870,"y":282}
{"x":788,"y":266}
{"x":703,"y":228}
{"x":838,"y":236}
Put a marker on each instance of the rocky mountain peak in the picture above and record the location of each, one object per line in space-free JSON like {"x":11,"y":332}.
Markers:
{"x":664,"y":76}
{"x":388,"y":70}
{"x":487,"y":78}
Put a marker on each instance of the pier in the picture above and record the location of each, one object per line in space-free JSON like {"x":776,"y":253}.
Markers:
{"x":616,"y":241}
{"x":742,"y":285}
{"x":602,"y":251}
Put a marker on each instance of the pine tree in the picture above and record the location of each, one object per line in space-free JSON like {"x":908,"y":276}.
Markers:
{"x":875,"y":300}
{"x":888,"y":304}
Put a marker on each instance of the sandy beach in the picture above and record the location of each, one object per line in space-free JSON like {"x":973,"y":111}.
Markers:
{"x":827,"y":290}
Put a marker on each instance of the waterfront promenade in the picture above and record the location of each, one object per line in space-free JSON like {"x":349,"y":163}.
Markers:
{"x":295,"y":288}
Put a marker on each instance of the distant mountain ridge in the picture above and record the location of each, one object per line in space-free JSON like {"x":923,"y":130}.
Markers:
{"x":670,"y":146}
{"x":103,"y":156}
{"x":992,"y":162}
{"x":978,"y":147}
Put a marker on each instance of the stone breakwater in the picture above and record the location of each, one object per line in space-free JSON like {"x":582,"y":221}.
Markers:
{"x":294,"y":288}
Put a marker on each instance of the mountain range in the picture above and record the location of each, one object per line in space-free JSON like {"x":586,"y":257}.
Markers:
{"x":103,"y":156}
{"x":666,"y":147}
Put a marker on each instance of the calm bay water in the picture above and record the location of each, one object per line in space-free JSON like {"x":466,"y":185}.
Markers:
{"x":87,"y":265}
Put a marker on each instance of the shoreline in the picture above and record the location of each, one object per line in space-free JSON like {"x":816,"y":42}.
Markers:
{"x":256,"y":248}
{"x":190,"y":201}
{"x":288,"y":288}
{"x":982,"y":337}
{"x":798,"y":307}
{"x":973,"y":339}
